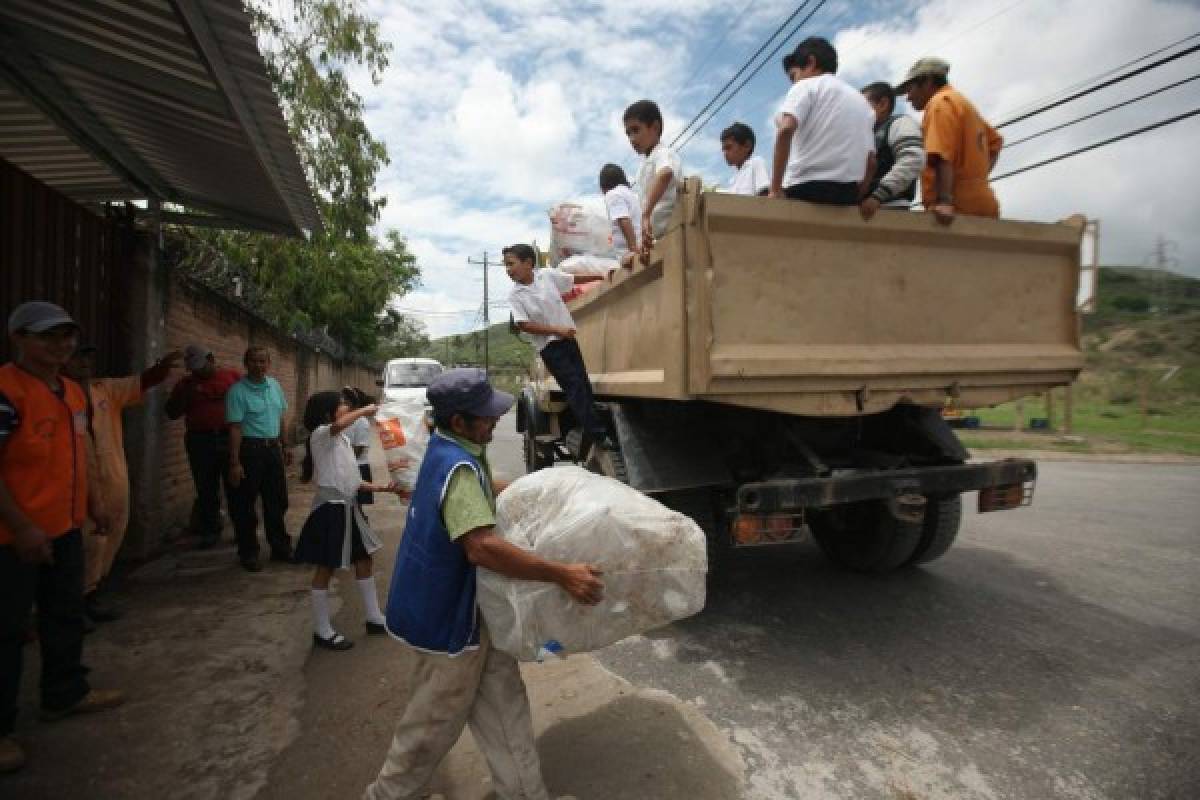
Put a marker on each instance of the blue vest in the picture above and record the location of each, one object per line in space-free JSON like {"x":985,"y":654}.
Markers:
{"x":431,"y":600}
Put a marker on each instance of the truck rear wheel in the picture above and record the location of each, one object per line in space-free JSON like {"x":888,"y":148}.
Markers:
{"x":869,"y":536}
{"x":535,"y":453}
{"x":943,"y":517}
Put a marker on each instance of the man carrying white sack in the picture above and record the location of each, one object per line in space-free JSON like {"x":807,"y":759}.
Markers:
{"x":453,"y":676}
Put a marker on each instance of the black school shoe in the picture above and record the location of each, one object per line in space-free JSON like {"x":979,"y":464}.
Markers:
{"x":376,"y":628}
{"x":251,"y":564}
{"x":335,"y":642}
{"x":97,"y":611}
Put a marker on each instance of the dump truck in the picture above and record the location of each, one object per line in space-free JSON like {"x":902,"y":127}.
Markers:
{"x":779,"y":369}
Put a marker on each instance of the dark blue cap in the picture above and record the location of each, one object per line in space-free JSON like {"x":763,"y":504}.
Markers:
{"x":466,"y":390}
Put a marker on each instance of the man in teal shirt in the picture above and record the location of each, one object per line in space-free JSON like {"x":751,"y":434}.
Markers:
{"x":255,"y":408}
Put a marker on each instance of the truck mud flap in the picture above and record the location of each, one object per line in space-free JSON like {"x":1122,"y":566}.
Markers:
{"x":1005,"y":484}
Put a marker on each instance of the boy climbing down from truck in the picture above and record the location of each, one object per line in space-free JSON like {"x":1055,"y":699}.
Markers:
{"x":538,"y":309}
{"x":658,"y":177}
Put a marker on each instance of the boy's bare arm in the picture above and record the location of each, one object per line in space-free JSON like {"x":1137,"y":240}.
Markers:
{"x":627,"y":230}
{"x":527,"y":326}
{"x":779,"y":159}
{"x":662,"y":179}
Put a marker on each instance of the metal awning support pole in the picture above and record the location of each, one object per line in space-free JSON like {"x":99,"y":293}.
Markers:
{"x":150,"y":292}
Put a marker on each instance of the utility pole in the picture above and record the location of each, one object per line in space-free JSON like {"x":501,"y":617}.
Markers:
{"x":1162,"y":260}
{"x":486,"y":321}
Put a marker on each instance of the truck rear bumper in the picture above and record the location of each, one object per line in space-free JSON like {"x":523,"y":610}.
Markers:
{"x":1010,"y":481}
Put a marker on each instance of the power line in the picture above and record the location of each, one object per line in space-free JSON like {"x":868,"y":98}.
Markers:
{"x":712,"y":51}
{"x":1097,"y":145}
{"x":1114,"y":107}
{"x":750,"y":77}
{"x":1055,"y":103}
{"x":743,"y":68}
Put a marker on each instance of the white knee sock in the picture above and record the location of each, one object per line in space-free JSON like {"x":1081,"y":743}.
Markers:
{"x":320,"y":605}
{"x":366,"y":587}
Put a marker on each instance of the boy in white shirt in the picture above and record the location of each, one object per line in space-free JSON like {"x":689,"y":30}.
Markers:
{"x":825,"y":141}
{"x":750,"y":176}
{"x":624,"y":212}
{"x":658,"y":177}
{"x":538,"y":309}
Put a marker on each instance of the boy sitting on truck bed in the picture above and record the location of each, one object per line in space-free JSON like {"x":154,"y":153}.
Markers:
{"x":538,"y":309}
{"x":658,"y":177}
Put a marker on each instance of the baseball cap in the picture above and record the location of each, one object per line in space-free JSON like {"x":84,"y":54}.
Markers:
{"x":466,"y":390}
{"x":38,"y":317}
{"x":925,"y":66}
{"x":195,"y":356}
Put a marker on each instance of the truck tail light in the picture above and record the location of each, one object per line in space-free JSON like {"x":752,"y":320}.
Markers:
{"x":1004,"y":498}
{"x":753,"y":529}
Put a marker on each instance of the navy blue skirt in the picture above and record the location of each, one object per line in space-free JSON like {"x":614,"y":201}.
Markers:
{"x":321,"y":537}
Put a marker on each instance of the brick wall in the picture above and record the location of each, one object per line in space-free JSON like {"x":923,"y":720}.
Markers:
{"x":194,"y":314}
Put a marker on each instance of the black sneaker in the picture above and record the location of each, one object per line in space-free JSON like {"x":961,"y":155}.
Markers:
{"x":283,"y":557}
{"x":97,"y":611}
{"x":251,"y":564}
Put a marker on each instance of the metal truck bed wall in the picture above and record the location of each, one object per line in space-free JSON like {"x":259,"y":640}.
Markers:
{"x":805,"y":309}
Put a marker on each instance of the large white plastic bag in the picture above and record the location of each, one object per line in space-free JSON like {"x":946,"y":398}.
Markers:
{"x":593,"y":266}
{"x":654,"y":563}
{"x":578,"y":229}
{"x":404,"y":436}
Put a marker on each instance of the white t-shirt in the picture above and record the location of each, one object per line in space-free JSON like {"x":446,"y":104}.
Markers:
{"x":751,"y":178}
{"x":622,"y":203}
{"x":333,"y":461}
{"x":360,"y":436}
{"x":541,"y":302}
{"x":835,"y":131}
{"x":660,"y":158}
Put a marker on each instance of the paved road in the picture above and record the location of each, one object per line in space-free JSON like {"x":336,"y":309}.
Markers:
{"x":1054,"y":652}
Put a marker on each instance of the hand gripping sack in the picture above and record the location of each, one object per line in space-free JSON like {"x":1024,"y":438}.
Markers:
{"x":404,"y":436}
{"x":654,"y":564}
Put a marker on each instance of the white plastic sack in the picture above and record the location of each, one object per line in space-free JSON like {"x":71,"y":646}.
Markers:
{"x":576,"y":229}
{"x":404,"y":436}
{"x":654,"y":562}
{"x":598,"y":266}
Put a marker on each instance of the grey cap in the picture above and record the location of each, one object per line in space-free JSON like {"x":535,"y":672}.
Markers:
{"x":195,"y":357}
{"x":38,"y":317}
{"x":466,"y":390}
{"x":929,"y":65}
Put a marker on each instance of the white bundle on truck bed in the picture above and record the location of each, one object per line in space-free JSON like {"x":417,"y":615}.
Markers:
{"x":654,"y":562}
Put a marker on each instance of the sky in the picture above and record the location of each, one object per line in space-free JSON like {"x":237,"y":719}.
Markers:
{"x":494,"y":110}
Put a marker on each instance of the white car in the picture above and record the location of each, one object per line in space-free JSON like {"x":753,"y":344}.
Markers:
{"x":408,"y":378}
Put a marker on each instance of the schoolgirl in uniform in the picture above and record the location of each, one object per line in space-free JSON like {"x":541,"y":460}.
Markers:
{"x":336,"y":535}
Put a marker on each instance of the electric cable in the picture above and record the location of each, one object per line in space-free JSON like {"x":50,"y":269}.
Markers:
{"x":1097,"y":145}
{"x":1160,"y":90}
{"x":743,"y":68}
{"x":742,"y":85}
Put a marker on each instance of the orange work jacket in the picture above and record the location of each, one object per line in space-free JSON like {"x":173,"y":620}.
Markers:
{"x":44,"y":465}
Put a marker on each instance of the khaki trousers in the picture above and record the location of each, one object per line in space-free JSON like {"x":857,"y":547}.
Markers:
{"x":482,"y":689}
{"x":101,"y":551}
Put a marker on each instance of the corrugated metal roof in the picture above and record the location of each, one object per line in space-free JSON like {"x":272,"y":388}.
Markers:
{"x":125,"y":99}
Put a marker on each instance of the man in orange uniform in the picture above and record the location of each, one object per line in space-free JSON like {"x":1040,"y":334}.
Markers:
{"x":43,"y":503}
{"x":108,"y":470}
{"x":960,"y":147}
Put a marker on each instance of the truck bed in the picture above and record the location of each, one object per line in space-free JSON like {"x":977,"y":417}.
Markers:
{"x":804,"y":309}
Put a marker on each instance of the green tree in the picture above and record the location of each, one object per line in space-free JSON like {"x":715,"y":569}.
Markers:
{"x":341,"y":278}
{"x":402,"y":337}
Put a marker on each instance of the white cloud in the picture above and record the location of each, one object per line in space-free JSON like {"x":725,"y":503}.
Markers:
{"x":493,"y":110}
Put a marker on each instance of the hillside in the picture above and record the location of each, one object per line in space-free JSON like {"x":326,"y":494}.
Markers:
{"x":506,"y":350}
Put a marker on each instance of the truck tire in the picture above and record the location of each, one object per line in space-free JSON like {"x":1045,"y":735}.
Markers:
{"x":867,"y":537}
{"x":536,"y":456}
{"x":943,"y":517}
{"x":699,"y":505}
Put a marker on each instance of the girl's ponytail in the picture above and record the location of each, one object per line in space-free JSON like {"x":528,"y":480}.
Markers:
{"x":306,"y":468}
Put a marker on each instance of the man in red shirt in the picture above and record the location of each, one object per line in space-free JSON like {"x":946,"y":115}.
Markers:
{"x":200,"y":398}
